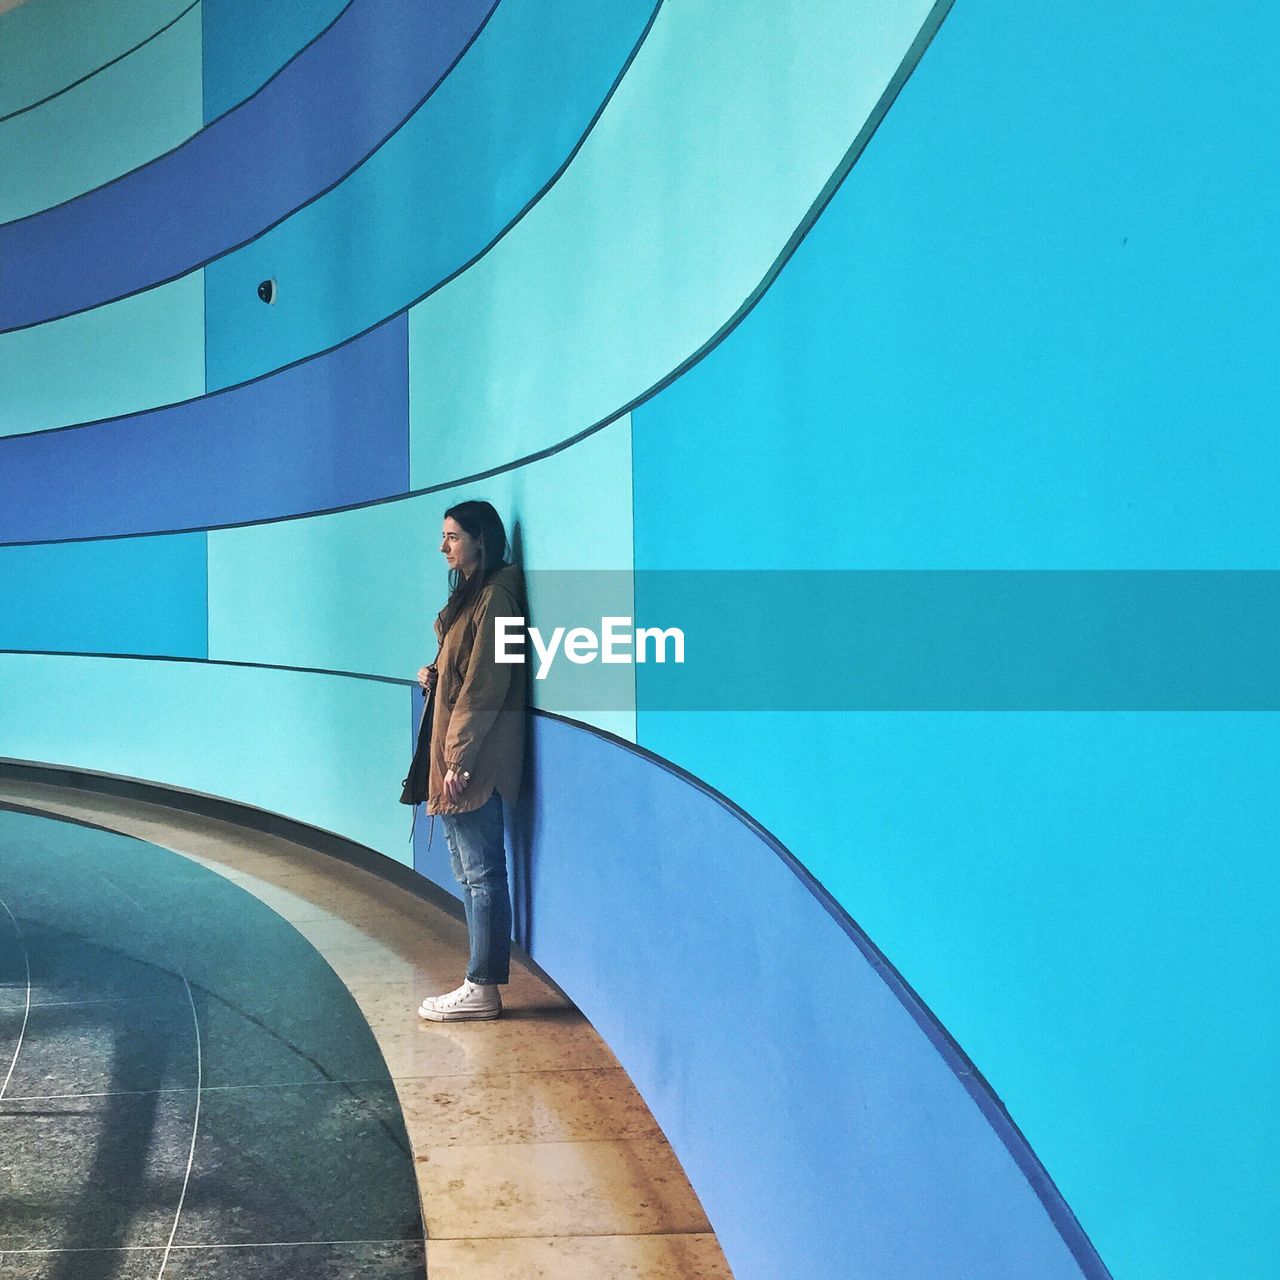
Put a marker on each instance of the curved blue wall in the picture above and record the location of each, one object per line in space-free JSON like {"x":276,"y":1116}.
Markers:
{"x":683,"y":286}
{"x":727,"y":952}
{"x":1056,"y":367}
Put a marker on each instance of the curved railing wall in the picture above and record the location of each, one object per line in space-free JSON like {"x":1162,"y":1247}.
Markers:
{"x":578,"y":297}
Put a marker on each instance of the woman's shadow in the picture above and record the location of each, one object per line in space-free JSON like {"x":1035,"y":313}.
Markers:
{"x":522,"y":823}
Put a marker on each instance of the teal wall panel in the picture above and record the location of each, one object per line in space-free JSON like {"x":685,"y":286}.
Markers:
{"x":433,"y":195}
{"x":1031,"y":331}
{"x":245,"y":43}
{"x":127,"y":114}
{"x":125,"y":595}
{"x":720,"y":137}
{"x":572,"y":510}
{"x":346,"y":592}
{"x":47,"y":45}
{"x":359,"y":590}
{"x":572,"y":514}
{"x":134,"y":354}
{"x":328,"y":750}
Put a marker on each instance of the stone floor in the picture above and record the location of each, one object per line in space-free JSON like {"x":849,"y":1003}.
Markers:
{"x":535,"y":1157}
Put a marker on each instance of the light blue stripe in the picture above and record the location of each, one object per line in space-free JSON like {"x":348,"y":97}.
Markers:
{"x":142,"y":351}
{"x":719,"y":138}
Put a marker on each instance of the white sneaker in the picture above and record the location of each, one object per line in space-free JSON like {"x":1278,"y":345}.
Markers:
{"x":470,"y":1002}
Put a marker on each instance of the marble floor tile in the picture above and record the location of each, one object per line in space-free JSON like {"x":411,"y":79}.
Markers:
{"x":300,"y":1032}
{"x":83,"y":1264}
{"x":407,"y":983}
{"x":395,"y":932}
{"x":363,"y":1260}
{"x":15,"y":990}
{"x":379,"y":1260}
{"x":526,"y":1106}
{"x":237,"y":858}
{"x":93,"y":1172}
{"x":111,"y":1046}
{"x":341,"y":937}
{"x":646,"y":1257}
{"x":348,"y":892}
{"x":230,"y":860}
{"x":320,"y":1162}
{"x":64,"y":968}
{"x":201,"y":839}
{"x":429,"y":966}
{"x":287,"y":904}
{"x":388,"y":935}
{"x":318,"y":898}
{"x":555,"y":1189}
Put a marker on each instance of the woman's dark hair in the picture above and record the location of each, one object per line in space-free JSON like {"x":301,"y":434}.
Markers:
{"x":479,"y":520}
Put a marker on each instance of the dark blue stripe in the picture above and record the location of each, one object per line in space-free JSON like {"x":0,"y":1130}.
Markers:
{"x":326,"y":433}
{"x":345,"y":95}
{"x":812,"y":1065}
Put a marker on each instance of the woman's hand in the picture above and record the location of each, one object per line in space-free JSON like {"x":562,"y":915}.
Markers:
{"x":454,"y":785}
{"x":427,"y":677}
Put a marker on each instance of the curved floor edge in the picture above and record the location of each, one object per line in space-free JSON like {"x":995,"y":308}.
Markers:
{"x":536,"y":1097}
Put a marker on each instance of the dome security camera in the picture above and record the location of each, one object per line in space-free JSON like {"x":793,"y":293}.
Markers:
{"x":267,"y":292}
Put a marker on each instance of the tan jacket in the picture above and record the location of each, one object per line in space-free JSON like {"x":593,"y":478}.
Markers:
{"x":479,"y":719}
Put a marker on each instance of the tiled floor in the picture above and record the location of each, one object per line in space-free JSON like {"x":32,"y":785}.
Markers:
{"x":185,"y":1085}
{"x":535,"y":1157}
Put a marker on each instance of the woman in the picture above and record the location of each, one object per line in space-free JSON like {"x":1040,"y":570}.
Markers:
{"x":477,"y":747}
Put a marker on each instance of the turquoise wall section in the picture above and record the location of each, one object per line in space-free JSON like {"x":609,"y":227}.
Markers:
{"x":47,"y":46}
{"x":136,"y":353}
{"x":122,"y":117}
{"x":128,"y":595}
{"x":1058,"y":365}
{"x":325,"y":592}
{"x":656,"y":235}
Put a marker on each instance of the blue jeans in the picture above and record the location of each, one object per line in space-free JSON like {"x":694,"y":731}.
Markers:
{"x":480,"y":867}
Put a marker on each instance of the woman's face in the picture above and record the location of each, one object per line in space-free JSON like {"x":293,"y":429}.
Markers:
{"x":460,"y":550}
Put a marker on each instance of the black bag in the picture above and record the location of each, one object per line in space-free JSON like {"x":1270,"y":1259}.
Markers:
{"x":415,"y":785}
